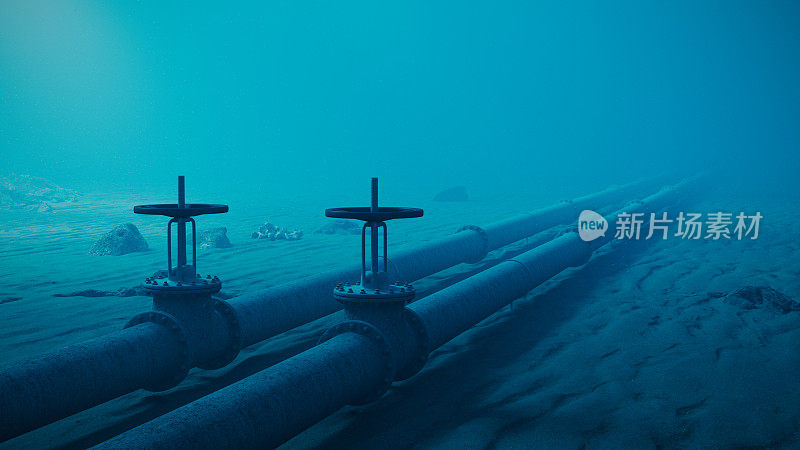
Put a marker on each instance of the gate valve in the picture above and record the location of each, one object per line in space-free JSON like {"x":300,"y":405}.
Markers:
{"x":183,"y":277}
{"x":374,"y":285}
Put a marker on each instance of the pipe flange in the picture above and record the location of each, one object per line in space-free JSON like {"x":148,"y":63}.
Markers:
{"x":170,"y":323}
{"x":228,"y":314}
{"x":527,"y":270}
{"x":413,"y":319}
{"x":483,"y":235}
{"x":368,"y":330}
{"x":160,"y":283}
{"x":355,"y":292}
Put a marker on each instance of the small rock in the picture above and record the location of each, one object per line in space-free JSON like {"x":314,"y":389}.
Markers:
{"x":121,"y":240}
{"x":214,"y":238}
{"x":340,"y":227}
{"x":274,"y":233}
{"x":454,"y":194}
{"x":44,"y":207}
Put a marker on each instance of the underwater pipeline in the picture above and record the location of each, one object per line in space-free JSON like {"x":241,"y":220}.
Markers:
{"x":188,"y":328}
{"x":268,"y":312}
{"x":357,"y":360}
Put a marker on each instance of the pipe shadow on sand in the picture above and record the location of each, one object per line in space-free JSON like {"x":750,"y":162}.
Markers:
{"x":466,"y":368}
{"x":136,"y":411}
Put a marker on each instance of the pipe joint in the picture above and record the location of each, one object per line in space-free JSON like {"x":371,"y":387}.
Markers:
{"x":169,"y":322}
{"x":378,"y":338}
{"x":484,"y":237}
{"x":228,"y":315}
{"x":211,"y":326}
{"x":419,"y":354}
{"x":400,"y":333}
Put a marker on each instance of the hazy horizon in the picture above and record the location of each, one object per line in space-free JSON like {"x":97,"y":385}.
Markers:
{"x":300,"y":97}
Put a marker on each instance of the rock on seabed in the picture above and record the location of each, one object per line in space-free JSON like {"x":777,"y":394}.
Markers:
{"x":214,"y":238}
{"x":123,"y":239}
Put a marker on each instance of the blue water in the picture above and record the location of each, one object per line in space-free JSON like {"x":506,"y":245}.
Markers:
{"x":303,"y":96}
{"x":282,"y":109}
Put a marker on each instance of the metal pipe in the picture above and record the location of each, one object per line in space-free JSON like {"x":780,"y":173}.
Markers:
{"x":267,"y":421}
{"x":253,"y":318}
{"x":449,"y":312}
{"x":266,"y":313}
{"x":63,"y":382}
{"x":267,"y":408}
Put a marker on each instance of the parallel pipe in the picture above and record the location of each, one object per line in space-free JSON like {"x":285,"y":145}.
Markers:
{"x":285,"y":399}
{"x":443,"y":316}
{"x":450,"y":312}
{"x":266,"y":313}
{"x":47,"y":395}
{"x":38,"y":391}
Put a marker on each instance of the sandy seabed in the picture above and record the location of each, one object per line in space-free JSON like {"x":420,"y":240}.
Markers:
{"x":637,"y":349}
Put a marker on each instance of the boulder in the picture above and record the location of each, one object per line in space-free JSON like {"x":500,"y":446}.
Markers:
{"x":121,"y":240}
{"x":214,"y":238}
{"x":275,"y":233}
{"x":19,"y":191}
{"x":340,"y":226}
{"x":454,"y":194}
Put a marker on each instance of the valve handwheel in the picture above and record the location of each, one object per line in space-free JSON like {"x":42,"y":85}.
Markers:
{"x":366,"y":214}
{"x":175,"y":210}
{"x":183,"y":277}
{"x":374,"y":284}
